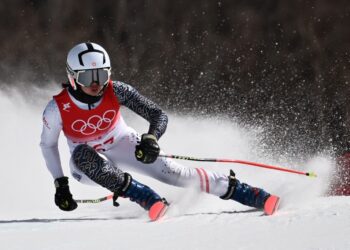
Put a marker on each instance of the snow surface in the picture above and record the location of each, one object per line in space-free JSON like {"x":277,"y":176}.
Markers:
{"x":30,"y":220}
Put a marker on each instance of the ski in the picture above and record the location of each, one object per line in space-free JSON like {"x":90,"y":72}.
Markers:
{"x":158,"y":210}
{"x":271,"y":205}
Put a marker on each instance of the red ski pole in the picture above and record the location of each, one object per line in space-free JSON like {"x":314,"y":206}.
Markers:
{"x":255,"y":164}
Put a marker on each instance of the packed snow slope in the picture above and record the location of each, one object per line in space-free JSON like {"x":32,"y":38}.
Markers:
{"x":29,"y":219}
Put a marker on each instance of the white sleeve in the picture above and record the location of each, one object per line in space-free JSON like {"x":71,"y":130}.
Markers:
{"x":52,"y":126}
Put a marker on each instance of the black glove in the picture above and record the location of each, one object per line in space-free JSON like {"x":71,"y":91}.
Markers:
{"x":63,"y":197}
{"x":148,"y":150}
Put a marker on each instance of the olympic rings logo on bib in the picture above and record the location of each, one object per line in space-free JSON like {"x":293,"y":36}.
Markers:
{"x":94,"y":123}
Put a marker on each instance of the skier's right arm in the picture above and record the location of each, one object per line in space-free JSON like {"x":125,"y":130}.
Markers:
{"x":52,"y":126}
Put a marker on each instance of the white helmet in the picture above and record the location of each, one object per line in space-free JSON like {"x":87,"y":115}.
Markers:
{"x":87,"y":63}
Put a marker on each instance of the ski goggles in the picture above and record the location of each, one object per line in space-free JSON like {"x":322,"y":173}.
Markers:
{"x":87,"y":77}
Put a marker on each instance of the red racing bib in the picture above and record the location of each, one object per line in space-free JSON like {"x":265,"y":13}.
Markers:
{"x":81,"y":125}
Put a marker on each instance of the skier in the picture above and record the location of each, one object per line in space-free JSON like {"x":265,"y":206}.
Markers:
{"x":103,"y":148}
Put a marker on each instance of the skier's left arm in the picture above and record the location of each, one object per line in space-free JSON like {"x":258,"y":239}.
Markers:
{"x":148,"y":149}
{"x":132,"y":99}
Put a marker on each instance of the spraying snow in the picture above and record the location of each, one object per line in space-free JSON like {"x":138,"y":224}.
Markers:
{"x":306,"y":219}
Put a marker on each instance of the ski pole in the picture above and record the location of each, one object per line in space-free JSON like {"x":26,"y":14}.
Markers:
{"x":108,"y":197}
{"x":255,"y":164}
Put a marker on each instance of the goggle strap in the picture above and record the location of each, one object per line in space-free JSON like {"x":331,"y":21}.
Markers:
{"x":72,"y":81}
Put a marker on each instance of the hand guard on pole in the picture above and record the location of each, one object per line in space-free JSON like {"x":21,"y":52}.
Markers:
{"x":63,"y":197}
{"x":148,"y":149}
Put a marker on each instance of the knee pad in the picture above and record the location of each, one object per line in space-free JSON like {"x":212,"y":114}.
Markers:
{"x":97,"y":168}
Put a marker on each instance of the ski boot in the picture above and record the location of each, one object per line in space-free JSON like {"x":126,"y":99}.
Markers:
{"x":142,"y":195}
{"x":250,"y":196}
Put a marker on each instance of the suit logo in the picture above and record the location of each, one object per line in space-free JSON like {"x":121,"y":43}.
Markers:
{"x":66,"y":106}
{"x":94,"y":123}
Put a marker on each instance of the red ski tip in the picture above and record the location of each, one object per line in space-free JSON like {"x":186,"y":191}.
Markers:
{"x":157,"y":210}
{"x":271,"y":204}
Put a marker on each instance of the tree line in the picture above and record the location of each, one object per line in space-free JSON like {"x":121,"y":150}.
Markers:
{"x":273,"y":63}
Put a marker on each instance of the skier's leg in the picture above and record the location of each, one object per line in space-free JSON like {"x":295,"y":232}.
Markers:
{"x":173,"y":173}
{"x":211,"y":182}
{"x":226,"y":187}
{"x":90,"y":165}
{"x":165,"y":170}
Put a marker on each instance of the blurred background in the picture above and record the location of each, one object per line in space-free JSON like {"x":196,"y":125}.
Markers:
{"x":280,"y":65}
